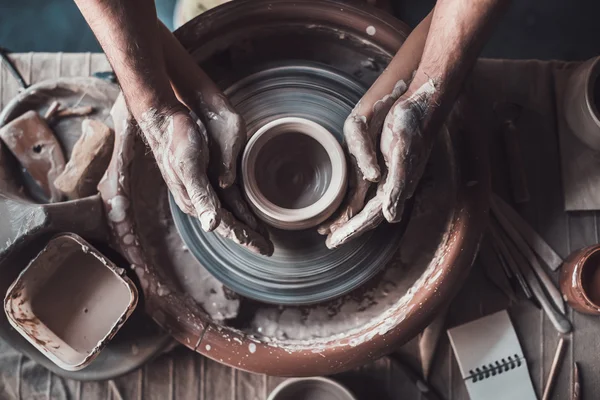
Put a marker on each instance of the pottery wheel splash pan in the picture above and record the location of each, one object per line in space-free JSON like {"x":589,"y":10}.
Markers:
{"x":302,"y":270}
{"x":232,"y":43}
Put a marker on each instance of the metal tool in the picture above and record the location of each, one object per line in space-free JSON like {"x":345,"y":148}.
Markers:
{"x":506,"y":257}
{"x":535,"y":241}
{"x":558,"y":319}
{"x":525,"y":250}
{"x":10,"y":66}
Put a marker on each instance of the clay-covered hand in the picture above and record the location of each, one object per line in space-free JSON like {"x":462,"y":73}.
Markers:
{"x":225,"y":135}
{"x":362,"y":130}
{"x":405,"y":145}
{"x":180,"y":146}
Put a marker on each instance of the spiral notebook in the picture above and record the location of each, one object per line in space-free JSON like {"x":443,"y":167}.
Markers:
{"x":490,"y":359}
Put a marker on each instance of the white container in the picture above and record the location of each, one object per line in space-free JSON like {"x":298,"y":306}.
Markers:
{"x":70,"y":301}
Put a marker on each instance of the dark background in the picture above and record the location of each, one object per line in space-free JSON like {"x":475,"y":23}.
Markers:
{"x":544,"y":29}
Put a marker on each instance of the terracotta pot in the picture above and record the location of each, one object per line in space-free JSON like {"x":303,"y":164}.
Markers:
{"x":582,"y":99}
{"x":294,"y":173}
{"x":576,"y":276}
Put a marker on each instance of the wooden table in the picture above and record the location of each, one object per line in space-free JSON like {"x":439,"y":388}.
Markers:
{"x":181,"y":374}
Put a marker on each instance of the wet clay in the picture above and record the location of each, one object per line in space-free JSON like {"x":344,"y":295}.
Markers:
{"x":33,"y":143}
{"x":81,"y":301}
{"x":293,"y":170}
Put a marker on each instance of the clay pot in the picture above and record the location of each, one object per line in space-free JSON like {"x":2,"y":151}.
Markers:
{"x":294,"y":173}
{"x":582,"y":98}
{"x":577,"y":278}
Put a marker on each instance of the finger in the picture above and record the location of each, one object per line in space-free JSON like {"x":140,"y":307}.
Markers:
{"x":361,"y":146}
{"x":189,"y":159}
{"x":395,"y":183}
{"x":240,"y":233}
{"x":233,"y":200}
{"x":352,"y":205}
{"x":369,"y":218}
{"x":203,"y":198}
{"x":227,"y":131}
{"x":182,"y":199}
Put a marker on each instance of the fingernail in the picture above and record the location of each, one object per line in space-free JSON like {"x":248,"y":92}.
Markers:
{"x":372,"y":174}
{"x":324,"y":230}
{"x":209,"y":221}
{"x":331,"y":243}
{"x":226,"y":180}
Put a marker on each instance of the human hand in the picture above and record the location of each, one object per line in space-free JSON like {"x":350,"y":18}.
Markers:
{"x":405,"y":146}
{"x":362,"y":130}
{"x":197,"y":151}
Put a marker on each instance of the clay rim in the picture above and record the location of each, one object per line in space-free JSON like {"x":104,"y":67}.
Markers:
{"x":300,"y":218}
{"x":580,"y":265}
{"x":317,"y":379}
{"x":590,"y":83}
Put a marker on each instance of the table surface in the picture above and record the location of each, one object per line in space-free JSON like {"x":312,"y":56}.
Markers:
{"x":182,"y":374}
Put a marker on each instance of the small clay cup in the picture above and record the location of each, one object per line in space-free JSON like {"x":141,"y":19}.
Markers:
{"x":582,"y":102}
{"x":316,"y":388}
{"x":294,"y":173}
{"x":577,"y":279}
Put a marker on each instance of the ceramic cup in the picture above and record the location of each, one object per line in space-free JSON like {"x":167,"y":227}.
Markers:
{"x":316,"y":388}
{"x":582,"y":103}
{"x":580,"y":280}
{"x":294,"y":173}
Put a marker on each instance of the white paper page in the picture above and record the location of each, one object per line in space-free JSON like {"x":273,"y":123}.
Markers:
{"x":486,"y":341}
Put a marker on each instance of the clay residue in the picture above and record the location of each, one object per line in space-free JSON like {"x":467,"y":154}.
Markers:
{"x":159,"y":236}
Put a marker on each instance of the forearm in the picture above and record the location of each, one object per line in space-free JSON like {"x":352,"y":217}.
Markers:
{"x":128,"y":32}
{"x":459,"y":29}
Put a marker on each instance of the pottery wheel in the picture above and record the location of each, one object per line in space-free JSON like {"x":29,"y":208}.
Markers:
{"x":302,"y":269}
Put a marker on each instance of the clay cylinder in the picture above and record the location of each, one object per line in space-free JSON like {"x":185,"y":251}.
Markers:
{"x":294,"y":173}
{"x":582,"y":103}
{"x":580,"y":280}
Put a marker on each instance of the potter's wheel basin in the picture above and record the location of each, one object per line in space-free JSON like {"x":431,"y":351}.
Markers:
{"x":426,"y":269}
{"x":302,"y":269}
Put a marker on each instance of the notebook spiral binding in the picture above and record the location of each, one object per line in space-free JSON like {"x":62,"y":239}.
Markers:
{"x":499,"y":367}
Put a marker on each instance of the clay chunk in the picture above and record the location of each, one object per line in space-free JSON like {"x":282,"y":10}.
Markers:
{"x":89,"y":160}
{"x":37,"y":149}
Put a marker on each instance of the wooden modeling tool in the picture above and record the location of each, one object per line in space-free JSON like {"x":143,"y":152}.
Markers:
{"x":558,"y":356}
